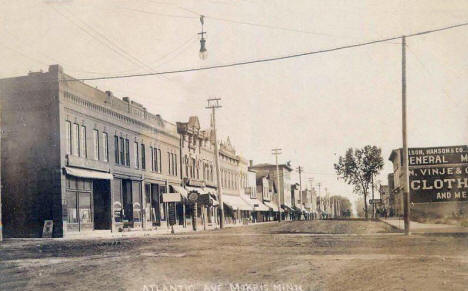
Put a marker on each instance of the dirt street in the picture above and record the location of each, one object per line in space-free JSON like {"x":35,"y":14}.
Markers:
{"x":313,"y":255}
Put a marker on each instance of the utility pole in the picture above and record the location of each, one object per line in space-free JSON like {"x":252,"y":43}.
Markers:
{"x":300,"y":170}
{"x":406,"y":198}
{"x":277,"y":152}
{"x":213,"y":104}
{"x":1,"y":136}
{"x":373,"y":201}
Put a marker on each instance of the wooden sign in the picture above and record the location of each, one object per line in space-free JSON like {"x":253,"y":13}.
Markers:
{"x":171,"y":197}
{"x":48,"y":227}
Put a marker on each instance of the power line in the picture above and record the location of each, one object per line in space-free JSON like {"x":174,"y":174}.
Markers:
{"x":270,"y":59}
{"x":225,"y":20}
{"x":103,"y":40}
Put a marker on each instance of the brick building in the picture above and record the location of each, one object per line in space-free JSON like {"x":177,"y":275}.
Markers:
{"x":82,"y":158}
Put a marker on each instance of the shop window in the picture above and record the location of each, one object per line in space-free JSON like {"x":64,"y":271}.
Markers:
{"x":72,"y":207}
{"x":85,"y":207}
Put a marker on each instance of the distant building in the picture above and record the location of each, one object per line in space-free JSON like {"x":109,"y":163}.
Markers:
{"x":284,"y":189}
{"x":438,"y":181}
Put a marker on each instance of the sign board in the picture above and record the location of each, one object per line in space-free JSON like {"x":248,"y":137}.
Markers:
{"x":438,"y":174}
{"x":195,"y":183}
{"x":172,"y":213}
{"x":439,"y":184}
{"x":437,"y":155}
{"x":48,"y":227}
{"x":193,"y":196}
{"x":205,"y":199}
{"x":171,"y":197}
{"x":375,"y":201}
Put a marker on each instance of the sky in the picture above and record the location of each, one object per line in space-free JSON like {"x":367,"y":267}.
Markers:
{"x":313,"y":107}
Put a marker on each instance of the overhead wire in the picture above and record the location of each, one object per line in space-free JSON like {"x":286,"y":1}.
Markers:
{"x":263,"y":60}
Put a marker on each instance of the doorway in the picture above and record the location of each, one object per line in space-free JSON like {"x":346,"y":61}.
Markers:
{"x":127,"y":200}
{"x":101,"y":201}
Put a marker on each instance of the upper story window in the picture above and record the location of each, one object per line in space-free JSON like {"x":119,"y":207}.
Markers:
{"x":75,"y":137}
{"x":156,"y":164}
{"x":127,"y":152}
{"x":83,"y":148}
{"x":105,"y":147}
{"x":136,"y":155}
{"x":68,"y":136}
{"x":96,"y":144}
{"x":122,"y":151}
{"x":116,"y":149}
{"x":172,"y":158}
{"x":170,"y":162}
{"x":143,"y":157}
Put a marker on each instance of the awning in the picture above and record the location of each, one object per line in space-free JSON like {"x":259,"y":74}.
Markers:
{"x":256,"y":204}
{"x":272,"y":206}
{"x":296,"y":209}
{"x":235,"y":202}
{"x":286,"y":207}
{"x":180,"y":190}
{"x":90,"y":174}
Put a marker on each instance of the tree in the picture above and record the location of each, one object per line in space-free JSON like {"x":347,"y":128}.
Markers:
{"x":358,"y":167}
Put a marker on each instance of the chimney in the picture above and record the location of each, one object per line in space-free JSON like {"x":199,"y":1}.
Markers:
{"x":250,"y":163}
{"x":109,"y":96}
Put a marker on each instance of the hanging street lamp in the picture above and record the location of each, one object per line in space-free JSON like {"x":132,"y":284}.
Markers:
{"x":203,"y":52}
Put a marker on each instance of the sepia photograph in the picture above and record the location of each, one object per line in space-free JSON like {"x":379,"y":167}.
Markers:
{"x":233,"y":145}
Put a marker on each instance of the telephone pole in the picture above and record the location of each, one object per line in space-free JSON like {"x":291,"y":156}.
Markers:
{"x":300,"y":170}
{"x":373,"y":200}
{"x":213,"y":104}
{"x":406,"y":199}
{"x":277,"y":152}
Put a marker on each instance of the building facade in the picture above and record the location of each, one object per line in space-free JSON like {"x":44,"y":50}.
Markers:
{"x":438,"y":181}
{"x":233,"y":171}
{"x":198,"y":172}
{"x":284,"y":187}
{"x":82,"y":158}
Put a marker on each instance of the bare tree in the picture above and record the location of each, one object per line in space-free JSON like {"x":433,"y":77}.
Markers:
{"x":357,"y":168}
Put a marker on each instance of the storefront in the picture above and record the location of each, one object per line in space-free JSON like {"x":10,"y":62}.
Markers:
{"x":260,"y":210}
{"x":127,"y":202}
{"x":86,"y":203}
{"x":273,"y":211}
{"x":236,"y":209}
{"x":201,"y":207}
